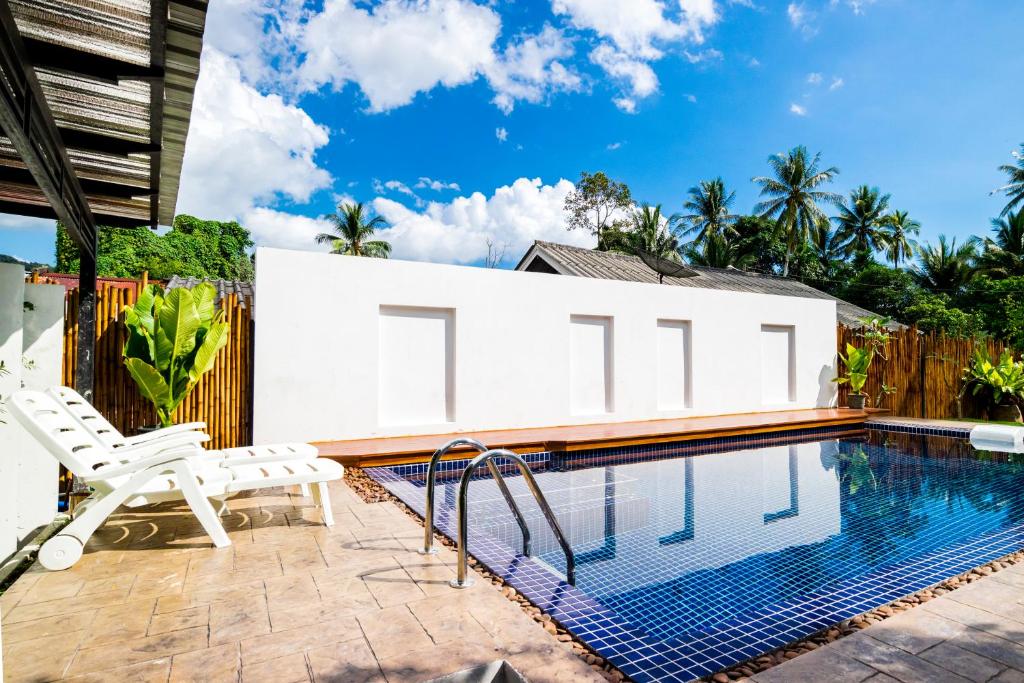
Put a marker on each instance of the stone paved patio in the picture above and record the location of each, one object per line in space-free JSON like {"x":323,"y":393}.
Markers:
{"x":974,"y":633}
{"x":290,"y":600}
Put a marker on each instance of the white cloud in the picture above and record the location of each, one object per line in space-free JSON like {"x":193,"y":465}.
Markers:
{"x":837,"y":83}
{"x":637,"y":73}
{"x":501,"y":133}
{"x":626,"y":104}
{"x":457,"y":231}
{"x":273,"y":228}
{"x":436,"y":185}
{"x":753,"y":63}
{"x":396,"y":49}
{"x":612,"y":146}
{"x":529,"y":70}
{"x":10,"y":221}
{"x":797,"y":109}
{"x":814,"y":78}
{"x":398,"y":186}
{"x":691,"y":98}
{"x":246,"y":148}
{"x":802,"y":19}
{"x":709,"y":55}
{"x":637,"y":32}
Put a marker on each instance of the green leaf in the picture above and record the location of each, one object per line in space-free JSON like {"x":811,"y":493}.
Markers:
{"x":206,"y":356}
{"x":205,"y":295}
{"x":179,"y":321}
{"x":151,"y":384}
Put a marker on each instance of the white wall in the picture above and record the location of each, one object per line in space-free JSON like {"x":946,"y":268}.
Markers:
{"x":326,"y":358}
{"x":31,"y":333}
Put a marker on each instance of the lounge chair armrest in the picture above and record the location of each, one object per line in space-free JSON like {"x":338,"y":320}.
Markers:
{"x":191,"y":439}
{"x":165,"y":432}
{"x":156,"y":459}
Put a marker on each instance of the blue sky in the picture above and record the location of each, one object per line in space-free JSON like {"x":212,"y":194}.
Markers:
{"x":499,"y":105}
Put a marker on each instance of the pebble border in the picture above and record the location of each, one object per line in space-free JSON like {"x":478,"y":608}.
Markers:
{"x":372,"y":492}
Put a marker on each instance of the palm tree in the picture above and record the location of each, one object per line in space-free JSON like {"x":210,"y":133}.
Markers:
{"x":897,"y":229}
{"x":1004,"y":256}
{"x":946,"y":268}
{"x":708,"y":208}
{"x":860,"y":219}
{"x":351,"y":232}
{"x":1014,"y":189}
{"x":717,"y":252}
{"x":650,"y":234}
{"x":826,"y":245}
{"x":793,"y":195}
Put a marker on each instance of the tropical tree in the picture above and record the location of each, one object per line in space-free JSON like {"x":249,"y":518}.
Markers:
{"x":718,"y":251}
{"x":826,"y":245}
{"x":895,"y":237}
{"x":596,"y":205}
{"x":708,"y":211}
{"x":1014,"y":188}
{"x":946,"y":267}
{"x":1003,"y":256}
{"x":859,"y":220}
{"x":793,"y":193}
{"x":351,"y":232}
{"x":650,"y":234}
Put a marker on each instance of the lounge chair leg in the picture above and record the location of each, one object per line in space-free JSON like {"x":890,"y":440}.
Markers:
{"x":222,"y":506}
{"x":200,"y":505}
{"x":304,"y":490}
{"x":324,"y":497}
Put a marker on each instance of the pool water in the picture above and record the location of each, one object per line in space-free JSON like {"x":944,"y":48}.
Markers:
{"x":687,"y":564}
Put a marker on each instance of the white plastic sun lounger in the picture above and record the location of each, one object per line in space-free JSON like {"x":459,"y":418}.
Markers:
{"x":151,"y":472}
{"x":109,"y":436}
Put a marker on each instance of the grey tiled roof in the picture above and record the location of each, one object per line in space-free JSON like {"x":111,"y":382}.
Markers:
{"x":611,"y":266}
{"x":245,"y":290}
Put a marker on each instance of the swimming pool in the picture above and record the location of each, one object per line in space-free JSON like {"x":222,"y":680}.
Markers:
{"x":693,"y":557}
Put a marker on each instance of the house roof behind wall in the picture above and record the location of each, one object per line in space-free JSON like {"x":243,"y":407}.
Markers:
{"x":605,"y":265}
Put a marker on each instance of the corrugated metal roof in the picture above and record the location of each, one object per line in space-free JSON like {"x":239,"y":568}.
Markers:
{"x":118,"y":108}
{"x":611,"y":266}
{"x":246,"y":291}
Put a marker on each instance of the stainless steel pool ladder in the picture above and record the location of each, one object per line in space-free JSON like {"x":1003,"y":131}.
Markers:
{"x":487,"y":457}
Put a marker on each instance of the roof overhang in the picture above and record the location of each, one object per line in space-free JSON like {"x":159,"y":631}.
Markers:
{"x":95,"y":101}
{"x":537,"y":252}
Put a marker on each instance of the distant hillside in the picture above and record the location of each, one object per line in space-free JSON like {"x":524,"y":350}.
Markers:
{"x":29,"y":265}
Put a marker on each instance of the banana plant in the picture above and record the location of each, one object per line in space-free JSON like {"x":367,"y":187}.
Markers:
{"x":173,"y":339}
{"x":857,"y":362}
{"x":1003,"y":377}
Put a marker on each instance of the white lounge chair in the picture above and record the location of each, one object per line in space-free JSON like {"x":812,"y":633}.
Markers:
{"x":148,"y":473}
{"x":108,"y":435}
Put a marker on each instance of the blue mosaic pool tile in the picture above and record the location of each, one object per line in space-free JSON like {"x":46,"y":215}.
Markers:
{"x":848,"y":524}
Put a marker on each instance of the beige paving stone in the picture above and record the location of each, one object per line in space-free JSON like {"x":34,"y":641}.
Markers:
{"x":119,"y":623}
{"x":54,"y":586}
{"x":48,"y":626}
{"x":39,"y":610}
{"x":433,"y":662}
{"x":219,"y":663}
{"x":393,"y":631}
{"x":916,"y":630}
{"x":152,"y":671}
{"x":822,"y":664}
{"x":287,"y":669}
{"x":892,"y":660}
{"x":233,"y":620}
{"x":987,"y":645}
{"x":393,"y":587}
{"x":1009,"y":676}
{"x":175,"y":621}
{"x":969,"y":665}
{"x":208,"y":596}
{"x":351,"y":661}
{"x":40,"y":659}
{"x":140,"y":650}
{"x":552,"y":663}
{"x":281,"y":643}
{"x":992,"y":596}
{"x":110,"y":583}
{"x":156,"y":585}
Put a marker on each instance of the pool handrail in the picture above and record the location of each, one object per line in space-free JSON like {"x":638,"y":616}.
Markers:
{"x":428,"y":515}
{"x":462,"y":580}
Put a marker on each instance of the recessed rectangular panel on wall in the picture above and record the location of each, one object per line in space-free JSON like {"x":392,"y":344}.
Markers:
{"x":778,"y":362}
{"x":416,"y":365}
{"x":673,"y":371}
{"x":590,"y":365}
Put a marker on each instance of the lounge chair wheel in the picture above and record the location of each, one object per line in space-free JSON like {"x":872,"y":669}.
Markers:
{"x":60,"y":552}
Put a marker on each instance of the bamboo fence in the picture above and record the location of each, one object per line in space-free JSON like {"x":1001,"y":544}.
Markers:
{"x":926,"y":370}
{"x":222,"y":398}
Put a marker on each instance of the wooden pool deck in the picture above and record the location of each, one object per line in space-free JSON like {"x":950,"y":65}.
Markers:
{"x":405,"y":449}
